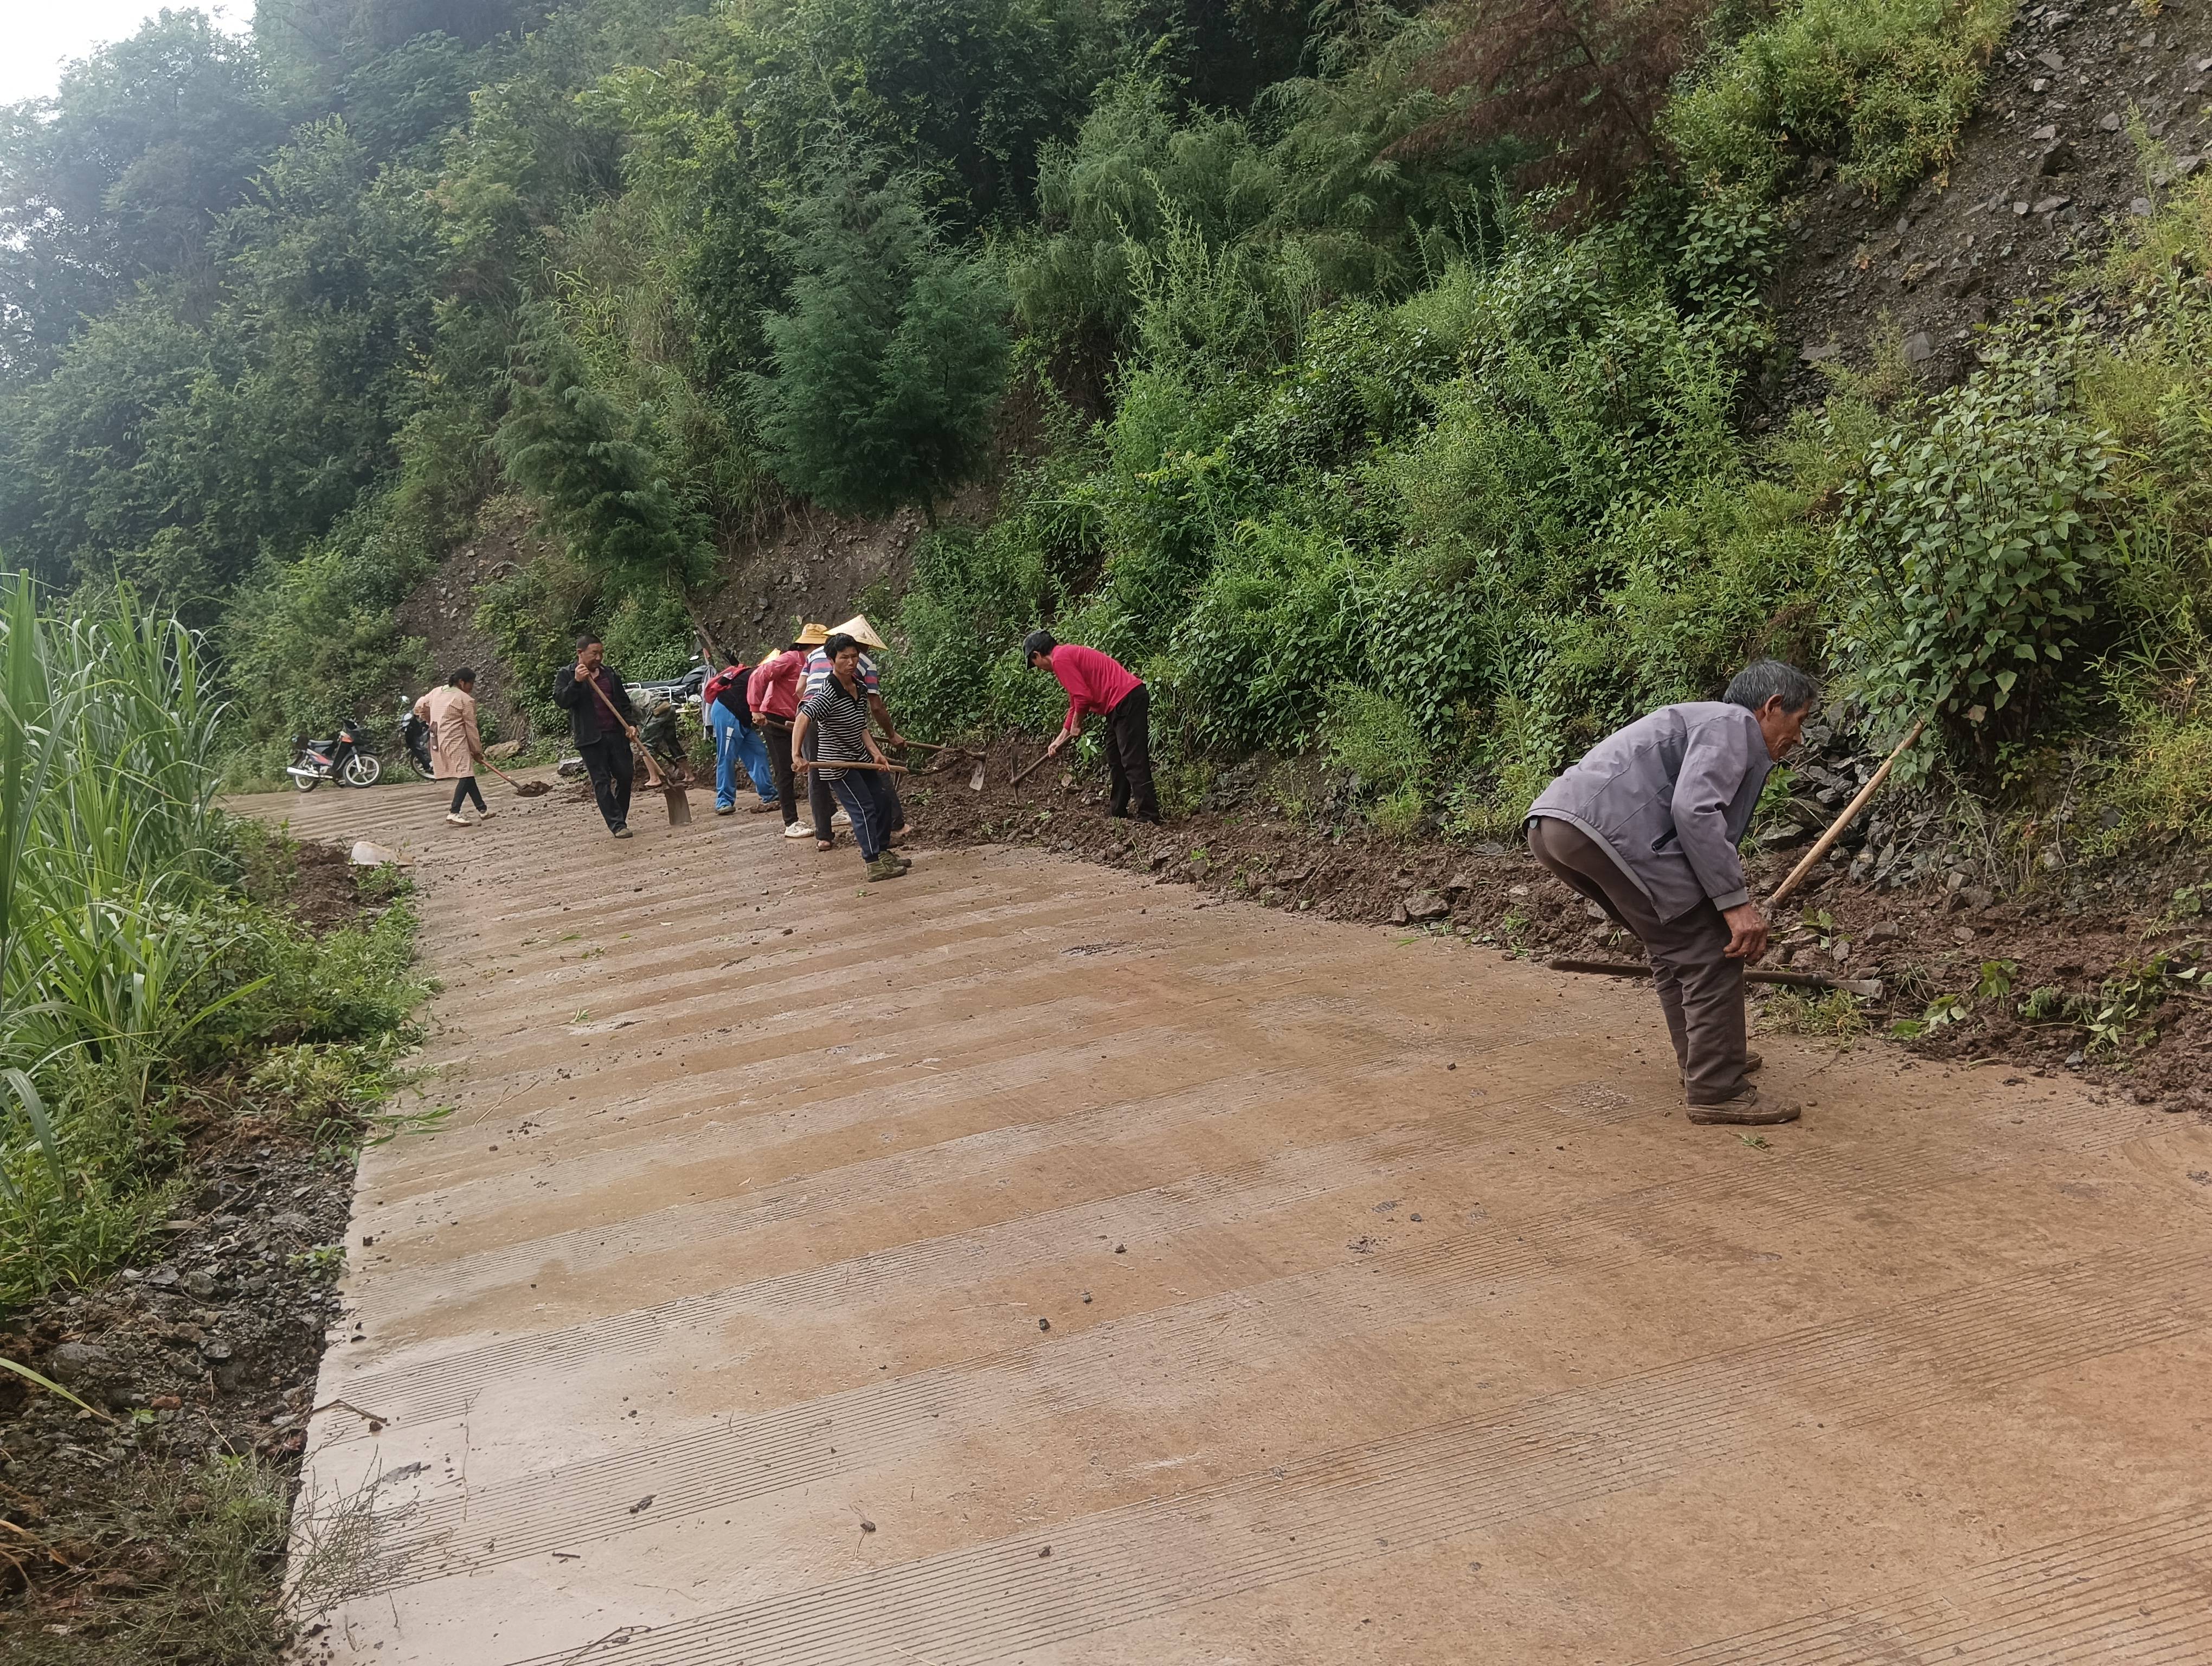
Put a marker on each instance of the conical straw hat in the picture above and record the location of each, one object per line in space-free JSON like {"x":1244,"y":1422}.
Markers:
{"x":860,"y":631}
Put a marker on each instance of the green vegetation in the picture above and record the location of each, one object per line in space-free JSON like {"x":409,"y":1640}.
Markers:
{"x":891,"y":359}
{"x":1879,"y":87}
{"x":136,"y":970}
{"x":1371,"y":381}
{"x":210,"y":1542}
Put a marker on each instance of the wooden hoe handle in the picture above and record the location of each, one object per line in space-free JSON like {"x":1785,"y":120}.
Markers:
{"x":1827,"y":841}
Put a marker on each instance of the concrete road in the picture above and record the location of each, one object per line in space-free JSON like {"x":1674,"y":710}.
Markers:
{"x":1023,"y":1261}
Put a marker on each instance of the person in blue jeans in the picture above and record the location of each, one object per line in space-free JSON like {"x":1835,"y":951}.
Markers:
{"x":737,"y":744}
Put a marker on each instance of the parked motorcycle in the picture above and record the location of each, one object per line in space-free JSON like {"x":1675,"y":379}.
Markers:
{"x":415,"y":741}
{"x":345,"y":760}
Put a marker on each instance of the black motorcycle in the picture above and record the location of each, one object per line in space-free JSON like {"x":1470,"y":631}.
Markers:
{"x":415,"y":741}
{"x":345,"y":760}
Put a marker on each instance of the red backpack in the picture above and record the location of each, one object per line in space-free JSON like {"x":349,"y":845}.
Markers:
{"x":727,"y":688}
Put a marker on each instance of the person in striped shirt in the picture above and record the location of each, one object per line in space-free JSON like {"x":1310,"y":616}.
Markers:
{"x":834,"y":717}
{"x":820,"y":800}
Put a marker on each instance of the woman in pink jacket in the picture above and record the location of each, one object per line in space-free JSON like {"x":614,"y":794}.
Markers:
{"x":456,"y":747}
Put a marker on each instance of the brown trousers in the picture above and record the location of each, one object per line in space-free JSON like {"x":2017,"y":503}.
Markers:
{"x":1700,"y":988}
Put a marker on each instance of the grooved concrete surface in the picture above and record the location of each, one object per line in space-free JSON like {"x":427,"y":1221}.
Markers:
{"x":1395,"y":1313}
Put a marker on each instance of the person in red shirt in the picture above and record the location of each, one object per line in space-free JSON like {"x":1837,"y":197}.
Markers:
{"x":1098,"y":682}
{"x":772,"y":693}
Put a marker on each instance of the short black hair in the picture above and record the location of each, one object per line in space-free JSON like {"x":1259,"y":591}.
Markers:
{"x":465,"y":674}
{"x":1762,"y":679}
{"x":838,"y":642}
{"x":586,"y":640}
{"x":1037,"y":643}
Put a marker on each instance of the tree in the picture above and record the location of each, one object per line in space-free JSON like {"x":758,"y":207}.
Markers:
{"x":597,"y":479}
{"x":120,"y":175}
{"x":891,"y":361}
{"x":1577,"y":83}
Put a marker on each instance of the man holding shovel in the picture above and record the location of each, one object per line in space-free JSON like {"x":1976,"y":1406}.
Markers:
{"x":820,"y":800}
{"x":1646,"y":826}
{"x":601,"y":723}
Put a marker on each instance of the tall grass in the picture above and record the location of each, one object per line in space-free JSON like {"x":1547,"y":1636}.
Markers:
{"x":108,"y":835}
{"x":112,"y":952}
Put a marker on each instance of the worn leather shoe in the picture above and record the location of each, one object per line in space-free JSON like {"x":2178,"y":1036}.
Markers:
{"x":1747,"y":1109}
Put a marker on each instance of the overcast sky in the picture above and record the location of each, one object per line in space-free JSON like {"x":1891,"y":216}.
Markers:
{"x":41,"y":34}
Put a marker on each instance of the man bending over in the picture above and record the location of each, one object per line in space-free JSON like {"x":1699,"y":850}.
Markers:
{"x":1646,"y":827}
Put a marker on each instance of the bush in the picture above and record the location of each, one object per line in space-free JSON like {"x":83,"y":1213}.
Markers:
{"x":891,"y":361}
{"x":316,"y":640}
{"x":1970,"y":552}
{"x":1277,"y":624}
{"x":1880,"y":87}
{"x":1376,"y":737}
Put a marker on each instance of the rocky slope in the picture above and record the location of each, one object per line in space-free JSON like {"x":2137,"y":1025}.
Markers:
{"x":2044,"y":174}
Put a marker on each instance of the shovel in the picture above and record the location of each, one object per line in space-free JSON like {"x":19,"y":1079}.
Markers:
{"x":1028,"y":767}
{"x":523,"y":789}
{"x":679,"y":804}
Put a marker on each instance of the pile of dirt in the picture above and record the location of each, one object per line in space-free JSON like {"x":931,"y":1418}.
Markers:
{"x":1956,"y":961}
{"x":2046,"y":174}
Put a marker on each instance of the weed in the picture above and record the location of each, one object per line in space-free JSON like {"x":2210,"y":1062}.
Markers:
{"x":1995,"y":979}
{"x":198,"y":1556}
{"x":2043,"y":1004}
{"x":1942,"y":1012}
{"x":2131,"y":998}
{"x":323,"y":1263}
{"x":1837,"y":1013}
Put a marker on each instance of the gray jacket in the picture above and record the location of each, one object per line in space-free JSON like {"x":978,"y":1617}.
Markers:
{"x":1669,"y":797}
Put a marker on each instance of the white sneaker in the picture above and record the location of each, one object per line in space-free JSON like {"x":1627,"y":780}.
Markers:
{"x":841,"y":819}
{"x":798,"y":830}
{"x":456,"y":819}
{"x":486,"y":815}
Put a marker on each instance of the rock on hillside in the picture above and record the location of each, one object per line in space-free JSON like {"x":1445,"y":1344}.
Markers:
{"x":2044,"y":173}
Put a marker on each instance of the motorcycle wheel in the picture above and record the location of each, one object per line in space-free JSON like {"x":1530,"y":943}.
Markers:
{"x":421,"y":769}
{"x":307,"y":783}
{"x":362,"y":769}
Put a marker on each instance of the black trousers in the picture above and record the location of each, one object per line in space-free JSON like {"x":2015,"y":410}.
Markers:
{"x":776,"y":737}
{"x":465,"y":789}
{"x":1129,"y":756}
{"x":608,"y":764}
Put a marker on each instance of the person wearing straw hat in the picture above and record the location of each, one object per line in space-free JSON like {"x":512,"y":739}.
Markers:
{"x":835,"y":718}
{"x":774,"y":692}
{"x":819,"y":798}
